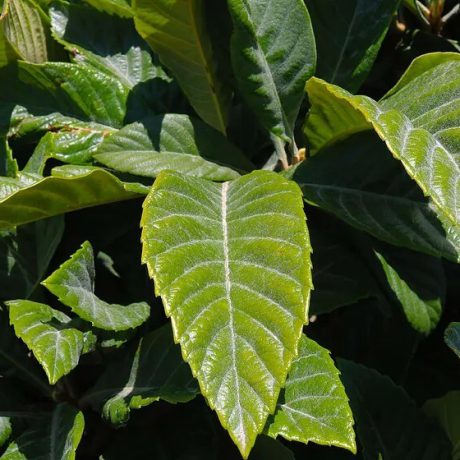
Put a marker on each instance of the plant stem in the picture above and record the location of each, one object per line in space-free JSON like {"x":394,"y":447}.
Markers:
{"x":279,"y":148}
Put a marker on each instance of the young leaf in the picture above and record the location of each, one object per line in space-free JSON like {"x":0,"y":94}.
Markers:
{"x":375,"y":196}
{"x":73,"y":284}
{"x":445,"y":410}
{"x":25,"y":253}
{"x":176,"y":31}
{"x":55,"y":344}
{"x":175,"y":142}
{"x":231,"y":263}
{"x":452,"y":337}
{"x":54,"y":438}
{"x":29,"y":197}
{"x":5,"y":430}
{"x":154,"y":371}
{"x":119,"y":7}
{"x":25,"y":28}
{"x":313,"y":405}
{"x":346,"y":55}
{"x":273,"y":55}
{"x":390,"y":425}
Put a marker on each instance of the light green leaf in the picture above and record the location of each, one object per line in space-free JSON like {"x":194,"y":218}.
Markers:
{"x":445,"y":410}
{"x":8,"y":165}
{"x":106,"y":43}
{"x":313,"y":405}
{"x":74,"y":146}
{"x":24,"y":25}
{"x":30,"y":197}
{"x":55,"y":438}
{"x":154,"y":370}
{"x":273,"y":55}
{"x":25,"y":253}
{"x":175,"y":142}
{"x":73,"y":284}
{"x":46,"y":332}
{"x":390,"y":425}
{"x":375,"y":196}
{"x":7,"y":54}
{"x":119,"y":7}
{"x":176,"y":31}
{"x":231,"y":263}
{"x":94,"y":94}
{"x":452,"y":337}
{"x":347,"y":41}
{"x":420,"y":292}
{"x":427,"y":147}
{"x":5,"y":430}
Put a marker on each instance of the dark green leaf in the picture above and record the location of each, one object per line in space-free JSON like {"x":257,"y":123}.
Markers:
{"x":25,"y":253}
{"x":347,"y":41}
{"x":231,"y":263}
{"x":73,"y":284}
{"x":273,"y":55}
{"x":445,"y":410}
{"x":389,"y":425}
{"x":55,"y":438}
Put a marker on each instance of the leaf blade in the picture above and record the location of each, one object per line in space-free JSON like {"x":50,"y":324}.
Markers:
{"x":211,"y":219}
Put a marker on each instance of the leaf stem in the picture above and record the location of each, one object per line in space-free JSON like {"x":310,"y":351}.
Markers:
{"x":281,"y":153}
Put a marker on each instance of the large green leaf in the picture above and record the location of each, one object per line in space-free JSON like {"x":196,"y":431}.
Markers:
{"x":30,"y":197}
{"x":347,"y":41}
{"x":426,"y":147}
{"x":445,"y":410}
{"x":389,"y":425}
{"x":25,"y":253}
{"x":452,"y":337}
{"x":154,"y":370}
{"x":7,"y":54}
{"x":176,"y":31}
{"x":375,"y":196}
{"x":24,"y":25}
{"x":175,"y":142}
{"x":273,"y":55}
{"x":56,"y":345}
{"x":73,"y":284}
{"x":53,"y":438}
{"x":313,"y":405}
{"x":119,"y":7}
{"x":231,"y":263}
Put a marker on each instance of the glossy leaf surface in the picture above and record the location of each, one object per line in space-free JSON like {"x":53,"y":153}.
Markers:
{"x":231,"y":263}
{"x":175,"y":142}
{"x":73,"y":284}
{"x":30,"y":197}
{"x":313,"y":406}
{"x":56,"y":345}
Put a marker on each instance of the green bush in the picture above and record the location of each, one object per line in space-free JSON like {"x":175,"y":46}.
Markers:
{"x":228,"y":187}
